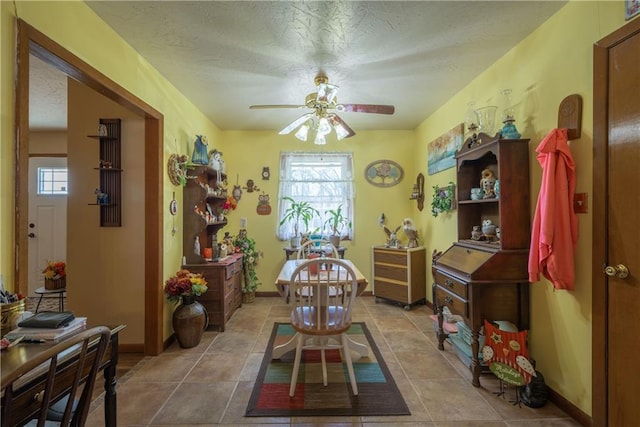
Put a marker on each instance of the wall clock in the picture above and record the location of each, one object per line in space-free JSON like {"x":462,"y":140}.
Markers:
{"x":383,"y":173}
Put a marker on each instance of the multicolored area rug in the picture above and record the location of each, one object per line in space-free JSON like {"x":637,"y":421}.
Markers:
{"x":377,"y":391}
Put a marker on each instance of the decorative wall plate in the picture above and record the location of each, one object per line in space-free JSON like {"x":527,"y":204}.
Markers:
{"x":384,"y":173}
{"x":175,"y":171}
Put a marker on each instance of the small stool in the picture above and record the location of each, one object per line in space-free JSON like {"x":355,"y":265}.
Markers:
{"x":43,"y":291}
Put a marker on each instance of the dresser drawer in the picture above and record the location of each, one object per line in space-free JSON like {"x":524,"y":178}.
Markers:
{"x":395,"y":272}
{"x":452,"y":285}
{"x":390,"y":257}
{"x":456,"y":304}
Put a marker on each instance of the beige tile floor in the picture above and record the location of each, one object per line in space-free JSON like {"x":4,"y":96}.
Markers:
{"x":210,"y":384}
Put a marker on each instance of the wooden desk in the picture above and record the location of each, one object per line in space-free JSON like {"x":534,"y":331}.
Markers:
{"x":291,"y":251}
{"x":11,"y":359}
{"x":283,"y":283}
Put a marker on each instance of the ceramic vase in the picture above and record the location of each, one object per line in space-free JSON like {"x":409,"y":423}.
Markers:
{"x":190,"y":319}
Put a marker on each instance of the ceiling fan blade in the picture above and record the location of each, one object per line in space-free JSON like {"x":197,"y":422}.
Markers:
{"x":342,"y":129}
{"x":256,"y":107}
{"x":297,"y":122}
{"x":366,"y":108}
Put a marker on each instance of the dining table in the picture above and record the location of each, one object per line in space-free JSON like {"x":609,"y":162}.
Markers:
{"x":283,"y":285}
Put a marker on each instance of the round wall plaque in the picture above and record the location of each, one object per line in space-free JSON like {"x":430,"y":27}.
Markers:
{"x":384,"y":173}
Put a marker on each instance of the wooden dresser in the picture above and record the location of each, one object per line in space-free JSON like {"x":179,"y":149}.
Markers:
{"x":485,"y":277}
{"x":224,"y":295}
{"x":399,"y":275}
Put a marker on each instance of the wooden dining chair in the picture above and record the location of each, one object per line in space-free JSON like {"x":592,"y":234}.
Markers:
{"x":63,"y":370}
{"x":321,"y":246}
{"x":321,"y":312}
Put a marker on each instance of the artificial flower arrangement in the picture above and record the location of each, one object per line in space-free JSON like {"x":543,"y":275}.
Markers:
{"x":229,"y":205}
{"x":246,"y":245}
{"x":55,"y":270}
{"x":183,"y":284}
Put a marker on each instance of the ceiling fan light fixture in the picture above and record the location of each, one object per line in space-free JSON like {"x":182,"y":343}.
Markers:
{"x":324,"y":128}
{"x":320,"y":139}
{"x":303,"y":132}
{"x":341,"y":132}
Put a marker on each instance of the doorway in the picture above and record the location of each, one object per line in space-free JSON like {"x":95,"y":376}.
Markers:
{"x":616,"y":248}
{"x":47,"y":216}
{"x":33,"y":42}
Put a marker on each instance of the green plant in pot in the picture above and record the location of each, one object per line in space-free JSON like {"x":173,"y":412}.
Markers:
{"x":297,"y":213}
{"x":336,"y":222}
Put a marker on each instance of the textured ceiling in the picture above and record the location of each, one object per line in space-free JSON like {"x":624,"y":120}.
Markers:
{"x":226,"y":56}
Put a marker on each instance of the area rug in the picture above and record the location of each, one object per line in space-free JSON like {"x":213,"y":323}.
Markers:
{"x":377,"y":391}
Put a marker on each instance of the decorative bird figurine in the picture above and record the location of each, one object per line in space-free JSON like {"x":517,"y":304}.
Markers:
{"x":392,"y":237}
{"x":411,"y":232}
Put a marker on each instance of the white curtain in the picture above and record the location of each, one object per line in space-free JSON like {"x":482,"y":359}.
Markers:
{"x":325,"y":180}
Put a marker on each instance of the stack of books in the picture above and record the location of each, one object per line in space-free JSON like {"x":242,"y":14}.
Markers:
{"x":46,"y":326}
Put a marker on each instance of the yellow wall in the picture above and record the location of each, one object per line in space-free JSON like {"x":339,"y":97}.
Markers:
{"x":553,"y":62}
{"x":247,"y":152}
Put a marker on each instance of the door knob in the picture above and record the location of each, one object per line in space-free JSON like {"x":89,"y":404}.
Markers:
{"x":32,"y":235}
{"x":620,"y":271}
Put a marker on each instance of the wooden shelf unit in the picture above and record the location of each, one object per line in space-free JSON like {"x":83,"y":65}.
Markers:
{"x":399,"y":275}
{"x":110,"y":177}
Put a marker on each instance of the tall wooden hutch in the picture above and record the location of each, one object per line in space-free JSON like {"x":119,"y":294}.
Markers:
{"x":487,"y":279}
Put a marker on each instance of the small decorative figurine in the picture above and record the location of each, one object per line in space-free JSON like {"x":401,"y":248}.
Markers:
{"x":265,"y":173}
{"x":392,"y":237}
{"x":476,"y":234}
{"x":200,"y":156}
{"x":487,"y":183}
{"x":411,"y":232}
{"x":264,"y":208}
{"x":102,"y":198}
{"x":251,"y":186}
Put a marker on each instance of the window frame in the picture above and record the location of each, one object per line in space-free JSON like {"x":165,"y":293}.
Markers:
{"x":337,"y":186}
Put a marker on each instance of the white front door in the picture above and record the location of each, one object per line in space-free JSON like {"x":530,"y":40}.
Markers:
{"x":47,"y":220}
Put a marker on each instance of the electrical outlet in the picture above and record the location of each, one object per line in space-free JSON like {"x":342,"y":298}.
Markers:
{"x":580,"y":202}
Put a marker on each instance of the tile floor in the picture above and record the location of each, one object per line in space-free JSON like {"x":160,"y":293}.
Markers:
{"x":210,"y":384}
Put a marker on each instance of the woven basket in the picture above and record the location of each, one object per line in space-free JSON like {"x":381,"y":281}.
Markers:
{"x":248,"y":297}
{"x":10,"y":312}
{"x":52,"y":284}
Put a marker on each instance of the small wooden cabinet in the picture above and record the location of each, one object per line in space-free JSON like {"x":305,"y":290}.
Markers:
{"x":487,"y":279}
{"x":224,"y":296}
{"x":399,"y":275}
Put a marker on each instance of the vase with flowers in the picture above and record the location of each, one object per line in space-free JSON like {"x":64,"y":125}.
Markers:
{"x":190,"y":318}
{"x":55,"y":275}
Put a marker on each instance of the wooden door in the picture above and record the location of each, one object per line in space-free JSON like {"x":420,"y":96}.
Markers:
{"x":47,"y":223}
{"x":616,"y":299}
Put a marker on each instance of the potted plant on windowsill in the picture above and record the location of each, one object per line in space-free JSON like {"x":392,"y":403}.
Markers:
{"x":296,"y":213}
{"x":336,"y":222}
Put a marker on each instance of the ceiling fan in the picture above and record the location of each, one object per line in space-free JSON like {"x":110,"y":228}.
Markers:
{"x":323,"y":117}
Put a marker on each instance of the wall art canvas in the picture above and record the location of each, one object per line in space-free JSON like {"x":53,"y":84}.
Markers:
{"x":631,"y":8}
{"x":441,"y":151}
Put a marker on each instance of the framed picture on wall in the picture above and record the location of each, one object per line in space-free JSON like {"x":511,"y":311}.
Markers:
{"x":631,"y":8}
{"x":440,"y":152}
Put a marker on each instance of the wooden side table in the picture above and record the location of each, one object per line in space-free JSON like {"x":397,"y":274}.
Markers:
{"x":291,"y":251}
{"x":43,"y":291}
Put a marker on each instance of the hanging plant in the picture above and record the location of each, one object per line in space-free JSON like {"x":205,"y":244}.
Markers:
{"x":443,"y":199}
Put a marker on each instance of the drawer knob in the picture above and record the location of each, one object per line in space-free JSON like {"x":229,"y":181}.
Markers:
{"x":448,"y":282}
{"x":448,"y":299}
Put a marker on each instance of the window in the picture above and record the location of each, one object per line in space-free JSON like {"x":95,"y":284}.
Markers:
{"x":52,"y":181}
{"x":325,"y":180}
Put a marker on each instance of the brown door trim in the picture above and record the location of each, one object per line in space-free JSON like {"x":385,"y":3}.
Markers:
{"x":599,"y":254}
{"x":32,"y":41}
